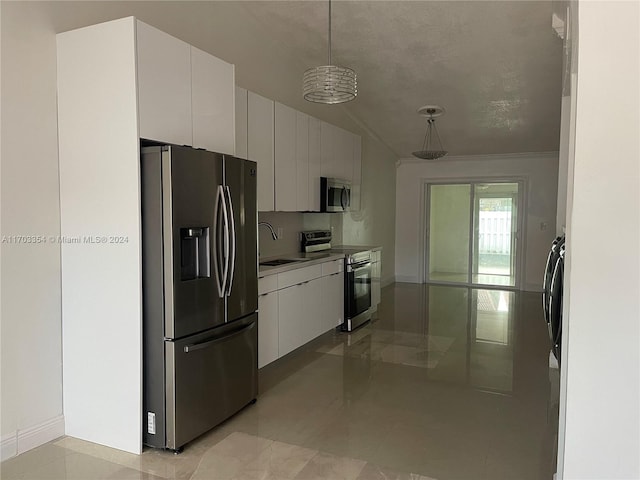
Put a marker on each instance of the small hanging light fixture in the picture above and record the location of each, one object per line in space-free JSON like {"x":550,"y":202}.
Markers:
{"x":427,"y":153}
{"x":329,"y":84}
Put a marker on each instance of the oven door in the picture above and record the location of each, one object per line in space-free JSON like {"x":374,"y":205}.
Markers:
{"x":358,"y":289}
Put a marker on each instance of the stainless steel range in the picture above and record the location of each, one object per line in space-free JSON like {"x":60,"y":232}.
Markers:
{"x":357,"y":279}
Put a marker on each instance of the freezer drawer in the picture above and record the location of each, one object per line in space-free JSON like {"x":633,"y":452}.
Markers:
{"x":210,"y":376}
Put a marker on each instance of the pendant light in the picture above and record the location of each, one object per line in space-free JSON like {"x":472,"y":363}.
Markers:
{"x":427,"y":152}
{"x":329,"y":84}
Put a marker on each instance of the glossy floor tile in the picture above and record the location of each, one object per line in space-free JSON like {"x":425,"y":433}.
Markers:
{"x":444,"y":383}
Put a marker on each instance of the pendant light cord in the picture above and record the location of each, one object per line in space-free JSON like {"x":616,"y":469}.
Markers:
{"x":329,"y":32}
{"x":431,"y":125}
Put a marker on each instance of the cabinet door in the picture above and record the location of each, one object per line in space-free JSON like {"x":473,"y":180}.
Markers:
{"x":260,"y":146}
{"x":302,"y":162}
{"x":291,"y":317}
{"x":326,"y":150}
{"x":343,"y":153}
{"x":313,"y":326}
{"x":285,"y":158}
{"x":267,"y":328}
{"x":356,"y":181}
{"x":315,"y":164}
{"x":212,"y":102}
{"x":164,"y":86}
{"x":241,"y":123}
{"x":333,"y":301}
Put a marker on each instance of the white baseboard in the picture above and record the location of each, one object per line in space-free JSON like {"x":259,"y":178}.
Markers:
{"x":407,"y":279}
{"x":26,"y":439}
{"x":8,"y":446}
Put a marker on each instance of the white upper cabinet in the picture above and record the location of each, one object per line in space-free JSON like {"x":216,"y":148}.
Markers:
{"x":315,"y":165}
{"x":293,"y":150}
{"x":356,"y":181}
{"x":185,"y":95}
{"x":285,"y":158}
{"x":328,"y":167}
{"x":164,"y":86}
{"x":343,"y":153}
{"x":260,"y":141}
{"x":212,"y":102}
{"x":302,"y":161}
{"x":337,"y":152}
{"x":241,"y":123}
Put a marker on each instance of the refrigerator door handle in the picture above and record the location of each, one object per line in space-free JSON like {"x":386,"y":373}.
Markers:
{"x":232,"y":255}
{"x":199,"y":346}
{"x":220,"y":271}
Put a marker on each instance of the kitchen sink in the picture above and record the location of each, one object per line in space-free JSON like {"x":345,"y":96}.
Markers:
{"x":282,"y":261}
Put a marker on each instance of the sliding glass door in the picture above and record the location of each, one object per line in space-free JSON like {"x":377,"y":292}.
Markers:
{"x":472,"y":233}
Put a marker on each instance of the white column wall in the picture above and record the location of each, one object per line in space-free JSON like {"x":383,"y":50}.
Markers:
{"x":600,"y":416}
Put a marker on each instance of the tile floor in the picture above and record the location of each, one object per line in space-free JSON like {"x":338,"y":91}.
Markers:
{"x":445,"y":383}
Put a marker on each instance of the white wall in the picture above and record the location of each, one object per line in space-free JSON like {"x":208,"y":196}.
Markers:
{"x":31,"y":327}
{"x":563,"y":166}
{"x":374,"y":223}
{"x":541,"y":174}
{"x":600,"y":420}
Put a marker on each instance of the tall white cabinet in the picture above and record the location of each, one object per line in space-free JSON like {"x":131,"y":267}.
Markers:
{"x":260,"y":146}
{"x":285,"y":158}
{"x":118,"y":82}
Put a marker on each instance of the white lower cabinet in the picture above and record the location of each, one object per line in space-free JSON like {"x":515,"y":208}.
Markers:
{"x":308,"y":303}
{"x":291,"y":319}
{"x":267,"y":328}
{"x":332,"y":301}
{"x":300,"y":320}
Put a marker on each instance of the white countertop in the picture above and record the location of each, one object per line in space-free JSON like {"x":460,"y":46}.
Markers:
{"x":307,"y":259}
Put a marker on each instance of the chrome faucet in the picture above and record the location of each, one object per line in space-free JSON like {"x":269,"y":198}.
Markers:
{"x":274,"y":235}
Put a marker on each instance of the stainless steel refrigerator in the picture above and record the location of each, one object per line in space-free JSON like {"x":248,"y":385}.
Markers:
{"x":200,"y":291}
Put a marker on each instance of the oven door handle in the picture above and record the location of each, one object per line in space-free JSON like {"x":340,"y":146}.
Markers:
{"x":357,"y":266}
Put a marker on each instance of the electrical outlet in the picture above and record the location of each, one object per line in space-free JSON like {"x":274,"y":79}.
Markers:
{"x":543,"y":225}
{"x":151,"y":423}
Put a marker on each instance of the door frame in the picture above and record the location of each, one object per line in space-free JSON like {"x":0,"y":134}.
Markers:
{"x":424,"y":222}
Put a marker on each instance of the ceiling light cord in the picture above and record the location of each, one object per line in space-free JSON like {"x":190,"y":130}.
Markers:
{"x":329,"y":84}
{"x":329,"y":33}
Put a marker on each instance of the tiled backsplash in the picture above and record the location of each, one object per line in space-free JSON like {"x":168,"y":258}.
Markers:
{"x":289,"y":225}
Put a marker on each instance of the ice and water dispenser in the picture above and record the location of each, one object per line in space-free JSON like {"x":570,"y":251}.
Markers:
{"x":194,"y":251}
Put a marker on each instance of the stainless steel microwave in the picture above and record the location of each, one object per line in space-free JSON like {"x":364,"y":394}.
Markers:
{"x":335,"y":194}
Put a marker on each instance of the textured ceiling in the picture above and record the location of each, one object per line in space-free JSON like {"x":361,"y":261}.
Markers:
{"x":496,"y":67}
